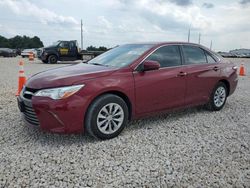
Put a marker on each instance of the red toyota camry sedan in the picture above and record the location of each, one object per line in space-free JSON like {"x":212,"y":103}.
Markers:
{"x":128,"y":82}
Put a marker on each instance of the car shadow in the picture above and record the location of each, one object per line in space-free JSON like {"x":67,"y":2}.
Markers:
{"x":45,"y":138}
{"x":171,"y":116}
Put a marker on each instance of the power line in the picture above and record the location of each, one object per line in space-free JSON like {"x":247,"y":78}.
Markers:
{"x":189,"y":35}
{"x":81,"y":36}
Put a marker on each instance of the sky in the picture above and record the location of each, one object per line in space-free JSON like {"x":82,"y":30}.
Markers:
{"x":113,"y":22}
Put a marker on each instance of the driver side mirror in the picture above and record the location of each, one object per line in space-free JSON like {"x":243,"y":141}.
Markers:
{"x":148,"y":65}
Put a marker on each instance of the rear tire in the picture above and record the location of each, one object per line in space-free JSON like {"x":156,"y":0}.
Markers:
{"x":106,"y":117}
{"x":52,"y":59}
{"x":218,"y":97}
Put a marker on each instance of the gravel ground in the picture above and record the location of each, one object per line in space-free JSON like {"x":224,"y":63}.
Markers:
{"x":188,"y":148}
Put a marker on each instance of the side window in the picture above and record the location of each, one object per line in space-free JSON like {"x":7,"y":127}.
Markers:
{"x":193,"y":55}
{"x":61,"y":44}
{"x":71,"y":45}
{"x":210,"y":59}
{"x":167,"y":56}
{"x":64,"y":45}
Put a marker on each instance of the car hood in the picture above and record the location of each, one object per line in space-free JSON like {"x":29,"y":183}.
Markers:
{"x":68,"y":75}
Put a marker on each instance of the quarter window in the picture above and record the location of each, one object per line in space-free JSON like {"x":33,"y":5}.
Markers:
{"x":210,"y":59}
{"x":167,"y":56}
{"x":194,"y":55}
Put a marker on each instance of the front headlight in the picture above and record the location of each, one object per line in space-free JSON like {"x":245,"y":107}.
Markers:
{"x":59,"y":93}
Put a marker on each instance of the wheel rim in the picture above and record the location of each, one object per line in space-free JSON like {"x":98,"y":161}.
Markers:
{"x":110,"y":118}
{"x":53,"y":59}
{"x":219,"y":96}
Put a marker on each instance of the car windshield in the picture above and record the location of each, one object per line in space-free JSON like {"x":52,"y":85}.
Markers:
{"x":121,"y":56}
{"x":54,"y":44}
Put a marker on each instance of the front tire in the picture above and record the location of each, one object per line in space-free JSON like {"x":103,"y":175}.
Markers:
{"x":106,"y":117}
{"x":52,"y":59}
{"x":218,"y":97}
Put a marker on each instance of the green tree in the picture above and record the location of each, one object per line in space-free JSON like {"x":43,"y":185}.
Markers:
{"x":93,"y":48}
{"x":21,"y":42}
{"x":4,"y":42}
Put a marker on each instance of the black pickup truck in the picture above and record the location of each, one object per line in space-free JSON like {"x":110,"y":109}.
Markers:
{"x":65,"y":51}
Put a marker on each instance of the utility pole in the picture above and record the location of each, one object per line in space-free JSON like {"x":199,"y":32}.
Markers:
{"x":211,"y":45}
{"x":189,"y":35}
{"x":81,"y":37}
{"x":199,"y":38}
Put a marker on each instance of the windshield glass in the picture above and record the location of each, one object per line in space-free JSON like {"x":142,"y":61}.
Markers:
{"x":121,"y":56}
{"x":56,"y":43}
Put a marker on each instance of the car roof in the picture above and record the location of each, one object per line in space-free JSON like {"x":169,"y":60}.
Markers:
{"x":66,"y":40}
{"x":6,"y":49}
{"x":157,"y":44}
{"x":28,"y":49}
{"x":166,"y":43}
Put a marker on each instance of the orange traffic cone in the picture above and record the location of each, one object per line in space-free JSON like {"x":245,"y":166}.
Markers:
{"x":31,"y":56}
{"x":242,"y":70}
{"x":21,"y":78}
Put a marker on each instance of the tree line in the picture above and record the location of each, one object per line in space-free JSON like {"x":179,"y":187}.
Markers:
{"x":20,"y":42}
{"x":25,"y":42}
{"x":93,"y":48}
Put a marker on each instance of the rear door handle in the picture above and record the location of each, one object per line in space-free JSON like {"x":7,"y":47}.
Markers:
{"x":182,"y":74}
{"x":216,"y":68}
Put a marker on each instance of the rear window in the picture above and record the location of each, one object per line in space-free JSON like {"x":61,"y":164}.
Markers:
{"x":193,"y":55}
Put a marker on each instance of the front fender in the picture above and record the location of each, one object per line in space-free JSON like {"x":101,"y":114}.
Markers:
{"x":51,"y":52}
{"x":121,"y":83}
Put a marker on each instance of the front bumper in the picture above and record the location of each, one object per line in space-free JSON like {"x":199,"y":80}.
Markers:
{"x":233,"y":83}
{"x":25,"y":106}
{"x":59,"y":116}
{"x":42,"y":57}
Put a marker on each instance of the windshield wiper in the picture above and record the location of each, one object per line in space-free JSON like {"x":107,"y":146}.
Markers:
{"x":98,"y":64}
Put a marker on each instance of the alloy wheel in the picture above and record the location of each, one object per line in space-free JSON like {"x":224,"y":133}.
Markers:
{"x":219,"y":96}
{"x":110,"y":118}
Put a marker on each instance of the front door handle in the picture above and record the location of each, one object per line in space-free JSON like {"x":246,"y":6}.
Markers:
{"x":216,"y":68}
{"x":182,"y":74}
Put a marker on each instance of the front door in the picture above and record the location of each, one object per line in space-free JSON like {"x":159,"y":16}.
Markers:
{"x":63,"y":49}
{"x":161,"y":89}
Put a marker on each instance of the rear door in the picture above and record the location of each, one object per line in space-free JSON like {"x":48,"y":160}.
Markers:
{"x":202,"y":74}
{"x":161,"y":89}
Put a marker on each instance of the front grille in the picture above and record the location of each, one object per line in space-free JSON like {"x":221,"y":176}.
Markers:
{"x":39,"y":52}
{"x":29,"y":92}
{"x":30,"y":115}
